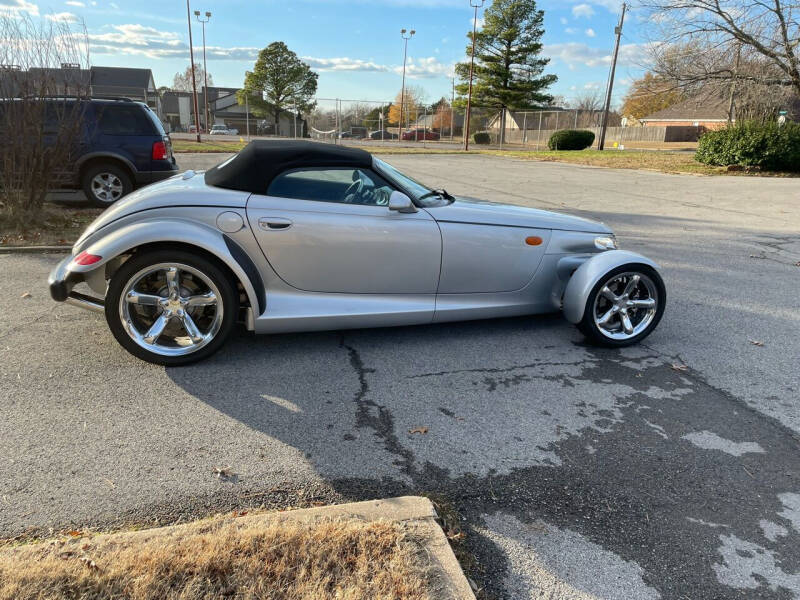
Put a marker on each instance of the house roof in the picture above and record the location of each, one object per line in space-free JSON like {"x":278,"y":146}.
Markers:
{"x":693,"y":109}
{"x":140,"y":79}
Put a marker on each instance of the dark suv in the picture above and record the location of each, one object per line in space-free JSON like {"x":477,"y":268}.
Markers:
{"x":121,"y":146}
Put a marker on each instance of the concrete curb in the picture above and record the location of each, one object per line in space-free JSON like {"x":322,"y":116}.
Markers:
{"x":35,"y":249}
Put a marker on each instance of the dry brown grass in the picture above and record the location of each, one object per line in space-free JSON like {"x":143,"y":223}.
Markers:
{"x":224,"y":558}
{"x":52,"y":225}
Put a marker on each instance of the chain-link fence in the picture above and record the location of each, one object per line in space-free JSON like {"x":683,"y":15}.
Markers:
{"x":347,"y":121}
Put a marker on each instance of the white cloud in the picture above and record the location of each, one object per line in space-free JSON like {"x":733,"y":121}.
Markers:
{"x":564,"y":20}
{"x":342,"y":64}
{"x":135,"y":39}
{"x":570,"y":30}
{"x":75,"y":3}
{"x":590,"y":32}
{"x":16,"y":6}
{"x":67,"y":17}
{"x":424,"y":68}
{"x":583,"y":10}
{"x":580,"y":54}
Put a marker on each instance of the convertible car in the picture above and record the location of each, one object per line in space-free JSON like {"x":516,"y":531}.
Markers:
{"x":299,"y":236}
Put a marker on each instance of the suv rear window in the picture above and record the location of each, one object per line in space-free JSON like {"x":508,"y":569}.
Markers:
{"x":128,"y":119}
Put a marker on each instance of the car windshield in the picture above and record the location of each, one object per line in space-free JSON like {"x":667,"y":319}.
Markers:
{"x":422,"y":194}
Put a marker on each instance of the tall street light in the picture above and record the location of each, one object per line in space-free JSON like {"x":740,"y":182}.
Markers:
{"x":476,"y":4}
{"x":194,"y":83}
{"x":406,"y":36}
{"x":205,"y":68}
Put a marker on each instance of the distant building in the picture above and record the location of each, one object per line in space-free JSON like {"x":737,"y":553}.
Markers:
{"x":704,"y":113}
{"x":71,"y":80}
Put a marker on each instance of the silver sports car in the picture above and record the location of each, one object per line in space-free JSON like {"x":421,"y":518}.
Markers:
{"x":300,"y":236}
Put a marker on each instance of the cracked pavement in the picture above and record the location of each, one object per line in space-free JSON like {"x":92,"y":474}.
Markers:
{"x":669,"y":470}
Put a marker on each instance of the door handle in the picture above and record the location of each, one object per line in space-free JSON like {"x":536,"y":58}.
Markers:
{"x":274,"y":223}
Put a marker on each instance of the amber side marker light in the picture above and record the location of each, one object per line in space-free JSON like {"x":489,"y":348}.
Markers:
{"x":533,"y":240}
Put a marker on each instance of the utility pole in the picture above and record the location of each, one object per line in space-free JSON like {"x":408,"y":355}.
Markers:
{"x":194,"y":83}
{"x":476,"y":4}
{"x":452,"y":100}
{"x":205,"y":68}
{"x":403,"y":88}
{"x":607,"y":108}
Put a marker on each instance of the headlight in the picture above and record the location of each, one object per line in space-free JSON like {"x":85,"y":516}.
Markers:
{"x":605,"y":243}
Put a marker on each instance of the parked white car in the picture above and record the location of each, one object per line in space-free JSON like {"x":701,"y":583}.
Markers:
{"x":222,"y":130}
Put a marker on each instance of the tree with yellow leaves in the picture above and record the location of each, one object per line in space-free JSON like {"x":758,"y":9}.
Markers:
{"x":650,"y":94}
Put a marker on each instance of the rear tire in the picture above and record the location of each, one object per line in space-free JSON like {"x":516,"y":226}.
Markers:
{"x":624,"y":307}
{"x":171,"y":307}
{"x":105,"y":183}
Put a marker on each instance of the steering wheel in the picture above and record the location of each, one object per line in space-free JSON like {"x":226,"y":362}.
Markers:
{"x":353,"y":191}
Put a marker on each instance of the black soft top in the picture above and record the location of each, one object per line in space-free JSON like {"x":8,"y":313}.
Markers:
{"x":254,"y":168}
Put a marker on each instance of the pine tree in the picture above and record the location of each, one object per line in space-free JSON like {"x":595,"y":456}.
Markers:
{"x":509,"y":71}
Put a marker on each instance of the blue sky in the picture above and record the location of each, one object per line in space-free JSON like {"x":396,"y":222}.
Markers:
{"x":355,"y":45}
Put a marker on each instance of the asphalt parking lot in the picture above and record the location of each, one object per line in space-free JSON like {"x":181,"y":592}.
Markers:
{"x":670,"y":470}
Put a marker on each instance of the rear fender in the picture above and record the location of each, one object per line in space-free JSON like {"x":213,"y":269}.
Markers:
{"x":174,"y":231}
{"x":590,"y":272}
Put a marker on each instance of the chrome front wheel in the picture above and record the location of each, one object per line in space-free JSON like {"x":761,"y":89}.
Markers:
{"x":625,"y":306}
{"x":171,"y":307}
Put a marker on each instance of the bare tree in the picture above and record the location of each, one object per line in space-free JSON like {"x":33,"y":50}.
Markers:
{"x":588,"y":100}
{"x":182,"y":82}
{"x":43,"y":76}
{"x":699,"y":41}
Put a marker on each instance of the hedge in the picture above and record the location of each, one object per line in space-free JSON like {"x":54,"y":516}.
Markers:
{"x":753,"y":144}
{"x":571,"y":139}
{"x":481,"y":137}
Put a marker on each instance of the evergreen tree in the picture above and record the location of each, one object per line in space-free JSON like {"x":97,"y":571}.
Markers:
{"x":509,"y":71}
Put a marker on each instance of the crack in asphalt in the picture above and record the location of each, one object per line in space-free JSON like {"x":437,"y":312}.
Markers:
{"x":381,"y":421}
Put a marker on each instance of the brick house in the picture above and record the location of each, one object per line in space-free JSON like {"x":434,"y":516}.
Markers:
{"x":704,"y":113}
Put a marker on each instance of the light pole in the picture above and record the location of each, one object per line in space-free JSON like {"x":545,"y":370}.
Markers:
{"x":194,"y":83}
{"x":205,"y":69}
{"x":476,"y":4}
{"x":403,"y":88}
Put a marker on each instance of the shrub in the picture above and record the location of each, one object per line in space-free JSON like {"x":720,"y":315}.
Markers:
{"x":571,"y":139}
{"x":753,"y":144}
{"x":482,"y":137}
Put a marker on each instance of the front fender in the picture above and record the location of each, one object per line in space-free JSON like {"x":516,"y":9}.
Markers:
{"x":590,"y":272}
{"x":175,"y":231}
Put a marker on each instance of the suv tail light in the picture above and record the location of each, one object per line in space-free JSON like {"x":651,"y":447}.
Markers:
{"x":160,"y":151}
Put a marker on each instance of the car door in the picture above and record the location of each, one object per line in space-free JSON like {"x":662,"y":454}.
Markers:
{"x":320,"y":234}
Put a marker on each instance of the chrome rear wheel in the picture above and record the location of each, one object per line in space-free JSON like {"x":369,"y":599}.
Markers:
{"x":171,"y":307}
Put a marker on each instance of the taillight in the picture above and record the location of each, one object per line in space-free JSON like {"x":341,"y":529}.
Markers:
{"x":84,"y":258}
{"x":159,"y":151}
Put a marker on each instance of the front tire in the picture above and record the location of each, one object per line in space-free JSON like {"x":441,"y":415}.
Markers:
{"x":624,"y":307}
{"x":171,"y":307}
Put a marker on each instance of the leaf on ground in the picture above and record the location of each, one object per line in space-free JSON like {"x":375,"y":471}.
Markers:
{"x":90,"y":564}
{"x":679,"y":367}
{"x":74,"y":533}
{"x":422,"y":430}
{"x":756,"y":343}
{"x":797,"y":264}
{"x":758,"y":256}
{"x":26,"y":295}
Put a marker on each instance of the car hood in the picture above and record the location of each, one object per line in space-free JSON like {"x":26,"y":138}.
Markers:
{"x":472,"y":210}
{"x":186,"y":189}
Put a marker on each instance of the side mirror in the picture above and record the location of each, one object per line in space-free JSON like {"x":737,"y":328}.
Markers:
{"x":401,"y":203}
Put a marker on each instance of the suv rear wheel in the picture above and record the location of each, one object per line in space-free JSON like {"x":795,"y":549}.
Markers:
{"x":105,"y":183}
